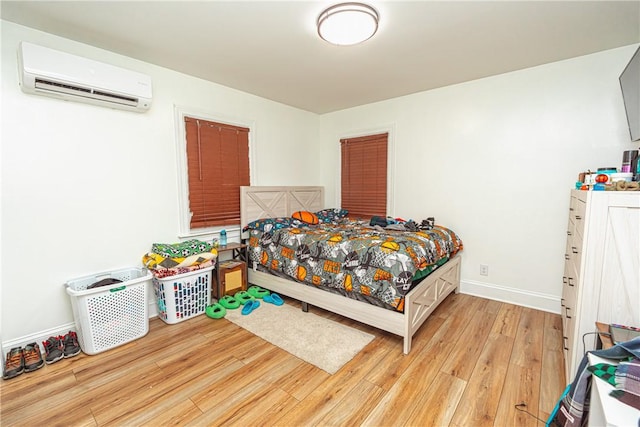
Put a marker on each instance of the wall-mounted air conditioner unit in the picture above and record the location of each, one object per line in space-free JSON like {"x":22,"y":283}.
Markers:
{"x":49,"y":72}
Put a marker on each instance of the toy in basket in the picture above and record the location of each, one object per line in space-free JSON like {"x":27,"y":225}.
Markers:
{"x":111,"y":315}
{"x":183,"y":296}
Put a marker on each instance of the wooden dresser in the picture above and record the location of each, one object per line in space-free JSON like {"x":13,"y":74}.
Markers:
{"x":601,"y":280}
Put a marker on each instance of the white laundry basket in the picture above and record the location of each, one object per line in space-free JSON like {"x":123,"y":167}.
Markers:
{"x":109,"y":316}
{"x":183,"y":296}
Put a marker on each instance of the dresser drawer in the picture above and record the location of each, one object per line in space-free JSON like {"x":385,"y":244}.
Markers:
{"x":568,"y":344}
{"x":569,"y":298}
{"x":577,"y":213}
{"x":569,"y":281}
{"x":571,"y":228}
{"x":573,"y":252}
{"x":580,"y":195}
{"x":574,"y":248}
{"x":567,"y":332}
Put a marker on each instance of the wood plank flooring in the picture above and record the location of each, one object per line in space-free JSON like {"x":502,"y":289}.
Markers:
{"x":471,"y":363}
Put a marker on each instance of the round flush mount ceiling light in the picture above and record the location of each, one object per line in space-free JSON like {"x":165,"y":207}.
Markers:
{"x":347,"y":24}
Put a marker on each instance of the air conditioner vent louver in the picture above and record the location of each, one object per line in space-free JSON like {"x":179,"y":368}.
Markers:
{"x":114,"y":96}
{"x":46,"y":84}
{"x":57,"y":87}
{"x":49,"y":72}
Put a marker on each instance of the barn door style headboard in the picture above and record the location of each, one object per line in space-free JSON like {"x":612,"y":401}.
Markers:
{"x":272,"y":202}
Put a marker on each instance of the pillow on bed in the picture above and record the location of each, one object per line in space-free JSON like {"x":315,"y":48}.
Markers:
{"x":331,"y":215}
{"x":268,"y":224}
{"x":306,"y":217}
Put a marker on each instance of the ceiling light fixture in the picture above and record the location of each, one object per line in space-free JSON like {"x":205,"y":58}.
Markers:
{"x":347,"y":24}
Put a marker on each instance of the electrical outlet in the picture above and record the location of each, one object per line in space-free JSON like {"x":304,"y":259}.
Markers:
{"x":484,"y":270}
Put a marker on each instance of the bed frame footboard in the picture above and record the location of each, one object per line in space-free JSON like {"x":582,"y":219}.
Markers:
{"x":424,"y":298}
{"x":419,"y":303}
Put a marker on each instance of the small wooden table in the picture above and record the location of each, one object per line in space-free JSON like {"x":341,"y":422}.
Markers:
{"x":239,"y":253}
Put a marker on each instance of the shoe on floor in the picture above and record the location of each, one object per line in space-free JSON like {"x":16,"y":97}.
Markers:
{"x":229,"y":302}
{"x":14,"y":365}
{"x":250,"y":306}
{"x":54,"y":350}
{"x":215,"y":311}
{"x":32,"y":357}
{"x":71,"y":346}
{"x":257,"y":292}
{"x":243,"y":297}
{"x":274,"y":299}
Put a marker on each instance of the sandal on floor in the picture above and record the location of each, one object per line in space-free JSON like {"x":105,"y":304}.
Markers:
{"x":250,"y":306}
{"x":273,"y":299}
{"x":229,"y":302}
{"x":215,"y":311}
{"x":258,"y":292}
{"x":243,"y":296}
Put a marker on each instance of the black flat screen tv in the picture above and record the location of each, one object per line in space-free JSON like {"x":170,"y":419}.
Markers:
{"x":630,"y":84}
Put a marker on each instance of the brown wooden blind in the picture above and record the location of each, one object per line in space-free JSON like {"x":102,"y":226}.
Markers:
{"x":218,"y":164}
{"x":364,"y":175}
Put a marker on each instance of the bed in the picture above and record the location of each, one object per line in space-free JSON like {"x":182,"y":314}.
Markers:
{"x":417,"y":303}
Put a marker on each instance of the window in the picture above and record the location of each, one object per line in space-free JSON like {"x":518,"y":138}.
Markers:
{"x":364,"y":175}
{"x":217,"y":165}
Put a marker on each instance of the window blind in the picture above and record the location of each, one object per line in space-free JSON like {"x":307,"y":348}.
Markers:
{"x":364,"y":175}
{"x":217,"y":164}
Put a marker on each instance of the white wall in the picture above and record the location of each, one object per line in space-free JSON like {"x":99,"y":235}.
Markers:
{"x":87,"y":189}
{"x":495,"y":159}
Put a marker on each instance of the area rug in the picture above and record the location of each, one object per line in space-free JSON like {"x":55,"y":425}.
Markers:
{"x":314,"y":339}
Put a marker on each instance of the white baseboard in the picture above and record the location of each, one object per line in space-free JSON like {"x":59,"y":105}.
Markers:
{"x":537,"y":300}
{"x":41,"y":336}
{"x":38,"y":337}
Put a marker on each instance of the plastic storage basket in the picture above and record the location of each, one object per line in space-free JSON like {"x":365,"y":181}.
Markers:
{"x":183,"y":296}
{"x":109,"y":316}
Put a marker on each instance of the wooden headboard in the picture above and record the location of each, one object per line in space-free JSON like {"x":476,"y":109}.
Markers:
{"x":271,"y":202}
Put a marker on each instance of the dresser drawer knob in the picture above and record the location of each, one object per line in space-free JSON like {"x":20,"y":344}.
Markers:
{"x":574,"y":249}
{"x":571,"y":281}
{"x":564,"y":280}
{"x":566,"y":312}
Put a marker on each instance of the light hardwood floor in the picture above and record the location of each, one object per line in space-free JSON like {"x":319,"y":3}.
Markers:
{"x":471,"y":363}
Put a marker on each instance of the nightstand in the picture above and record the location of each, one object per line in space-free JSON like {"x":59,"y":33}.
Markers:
{"x":230,"y":274}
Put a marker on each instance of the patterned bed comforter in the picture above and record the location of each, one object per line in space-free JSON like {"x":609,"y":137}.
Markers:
{"x":354,"y":257}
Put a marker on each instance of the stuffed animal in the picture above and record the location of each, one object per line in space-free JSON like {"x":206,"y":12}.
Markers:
{"x":623,"y":186}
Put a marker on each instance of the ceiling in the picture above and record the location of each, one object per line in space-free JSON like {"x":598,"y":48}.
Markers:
{"x":271,"y":48}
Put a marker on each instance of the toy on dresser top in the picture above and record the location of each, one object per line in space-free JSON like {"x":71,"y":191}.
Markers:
{"x":606,"y":179}
{"x":610,"y":179}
